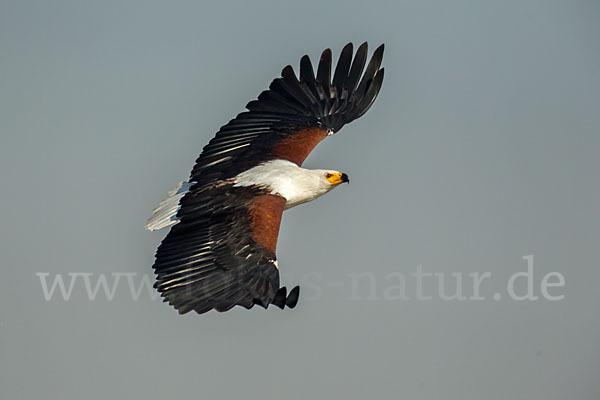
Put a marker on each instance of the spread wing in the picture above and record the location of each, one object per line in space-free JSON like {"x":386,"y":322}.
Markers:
{"x":290,"y":118}
{"x":221,"y":253}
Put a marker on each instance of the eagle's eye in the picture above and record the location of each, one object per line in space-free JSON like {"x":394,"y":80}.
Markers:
{"x":328,"y":176}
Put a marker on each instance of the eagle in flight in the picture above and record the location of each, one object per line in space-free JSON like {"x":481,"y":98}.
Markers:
{"x":220,"y":251}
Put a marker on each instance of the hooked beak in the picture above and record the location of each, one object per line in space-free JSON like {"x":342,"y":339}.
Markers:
{"x":337,"y":178}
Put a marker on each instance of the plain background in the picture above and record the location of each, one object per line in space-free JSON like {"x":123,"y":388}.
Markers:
{"x":482,"y":148}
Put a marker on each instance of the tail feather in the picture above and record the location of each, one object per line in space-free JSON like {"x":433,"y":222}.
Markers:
{"x":166,"y":213}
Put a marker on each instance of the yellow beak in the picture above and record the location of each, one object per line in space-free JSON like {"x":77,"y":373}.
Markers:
{"x":337,"y":177}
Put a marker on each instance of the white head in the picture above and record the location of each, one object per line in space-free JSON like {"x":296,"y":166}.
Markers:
{"x":298,"y":185}
{"x":313,"y":183}
{"x":330,"y":179}
{"x":322,"y":181}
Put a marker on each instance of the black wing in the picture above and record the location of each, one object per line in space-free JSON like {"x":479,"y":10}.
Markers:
{"x":222,"y":252}
{"x":293,"y":115}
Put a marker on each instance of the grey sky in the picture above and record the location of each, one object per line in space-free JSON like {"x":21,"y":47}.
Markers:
{"x":482,"y":148}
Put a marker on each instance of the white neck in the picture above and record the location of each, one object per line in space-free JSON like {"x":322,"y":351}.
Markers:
{"x":284,"y":178}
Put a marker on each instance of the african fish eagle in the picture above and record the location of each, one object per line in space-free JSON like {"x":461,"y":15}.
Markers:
{"x":220,"y":251}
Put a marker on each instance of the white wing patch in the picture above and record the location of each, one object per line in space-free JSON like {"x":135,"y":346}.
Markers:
{"x":165,"y":214}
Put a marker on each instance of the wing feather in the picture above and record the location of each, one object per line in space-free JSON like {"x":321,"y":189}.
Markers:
{"x":291,"y":106}
{"x":342,"y":69}
{"x":222,"y":252}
